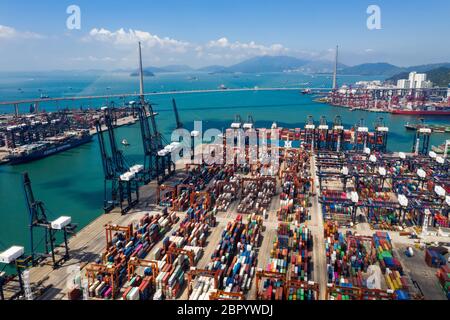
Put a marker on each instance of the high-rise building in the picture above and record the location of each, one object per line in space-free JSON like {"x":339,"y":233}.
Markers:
{"x":415,"y":81}
{"x":403,"y":84}
{"x":419,"y":81}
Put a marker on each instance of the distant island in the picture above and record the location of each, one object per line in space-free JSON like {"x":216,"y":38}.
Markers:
{"x":147,"y":73}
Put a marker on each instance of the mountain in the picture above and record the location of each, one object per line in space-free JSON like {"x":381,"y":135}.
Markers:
{"x":372,"y":69}
{"x":321,"y":66}
{"x":177,"y":68}
{"x":263,"y":64}
{"x":213,"y":69}
{"x":150,"y":71}
{"x":439,"y":76}
{"x":389,"y":70}
{"x":268,"y":64}
{"x":428,"y":67}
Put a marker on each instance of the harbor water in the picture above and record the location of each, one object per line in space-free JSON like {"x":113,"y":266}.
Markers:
{"x":71,"y":183}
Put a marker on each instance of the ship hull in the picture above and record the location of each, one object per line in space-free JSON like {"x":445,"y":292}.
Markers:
{"x":422,"y":112}
{"x":49,"y":152}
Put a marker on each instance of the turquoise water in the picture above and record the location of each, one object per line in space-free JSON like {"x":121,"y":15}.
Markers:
{"x":71,"y":183}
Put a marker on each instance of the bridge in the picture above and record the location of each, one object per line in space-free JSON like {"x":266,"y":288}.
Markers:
{"x":125,"y":95}
{"x":38,"y":101}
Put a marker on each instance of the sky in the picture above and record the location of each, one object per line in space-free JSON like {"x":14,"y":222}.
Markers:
{"x":34,"y":35}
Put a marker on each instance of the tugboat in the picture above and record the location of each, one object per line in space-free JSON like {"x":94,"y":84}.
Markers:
{"x":307,"y":91}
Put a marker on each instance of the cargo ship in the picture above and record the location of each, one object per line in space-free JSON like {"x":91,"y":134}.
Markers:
{"x":440,"y":149}
{"x":48,"y":147}
{"x":431,"y":111}
{"x":434,"y":128}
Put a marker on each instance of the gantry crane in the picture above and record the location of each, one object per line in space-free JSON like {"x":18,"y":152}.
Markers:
{"x":261,"y":274}
{"x":179,"y":124}
{"x":37,"y":215}
{"x":110,"y":228}
{"x":134,"y":263}
{"x":14,"y":257}
{"x":381,"y":135}
{"x":175,"y":252}
{"x":110,"y":273}
{"x":337,"y":135}
{"x":151,"y":162}
{"x":194,"y":272}
{"x":421,"y":142}
{"x":158,"y":162}
{"x":119,"y":179}
{"x":226,"y":296}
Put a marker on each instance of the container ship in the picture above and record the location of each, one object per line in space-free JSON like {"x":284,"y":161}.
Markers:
{"x":431,"y":111}
{"x":48,"y":147}
{"x":434,"y":128}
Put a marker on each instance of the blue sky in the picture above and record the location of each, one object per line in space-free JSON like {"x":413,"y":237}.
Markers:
{"x":33,"y":34}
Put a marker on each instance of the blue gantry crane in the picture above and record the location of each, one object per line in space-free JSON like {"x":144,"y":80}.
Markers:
{"x":121,"y":182}
{"x":38,"y":219}
{"x":157,"y":158}
{"x":179,"y":124}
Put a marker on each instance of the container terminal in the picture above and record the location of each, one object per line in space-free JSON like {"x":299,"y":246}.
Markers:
{"x":415,"y":96}
{"x":335,"y":217}
{"x":341,"y":219}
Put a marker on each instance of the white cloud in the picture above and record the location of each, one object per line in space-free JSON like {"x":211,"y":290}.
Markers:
{"x":11,"y":33}
{"x":168,"y":49}
{"x":94,"y":59}
{"x":251,"y":48}
{"x":123,"y":37}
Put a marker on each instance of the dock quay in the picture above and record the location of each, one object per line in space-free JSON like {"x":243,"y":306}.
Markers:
{"x":334,"y":221}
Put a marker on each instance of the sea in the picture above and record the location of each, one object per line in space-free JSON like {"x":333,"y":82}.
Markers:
{"x":71,"y":183}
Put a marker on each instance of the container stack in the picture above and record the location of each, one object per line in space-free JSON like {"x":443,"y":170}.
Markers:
{"x":149,"y":231}
{"x":170,"y":278}
{"x":203,"y":287}
{"x":301,"y":256}
{"x":235,"y":256}
{"x":139,"y":288}
{"x":434,"y":259}
{"x":273,"y":290}
{"x":191,"y":233}
{"x":385,"y":254}
{"x":348,"y":257}
{"x":443,"y":275}
{"x":301,"y":294}
{"x":182,"y":202}
{"x":293,"y":209}
{"x":279,"y":256}
{"x":101,"y":288}
{"x":398,"y":283}
{"x":257,"y":196}
{"x":228,"y":191}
